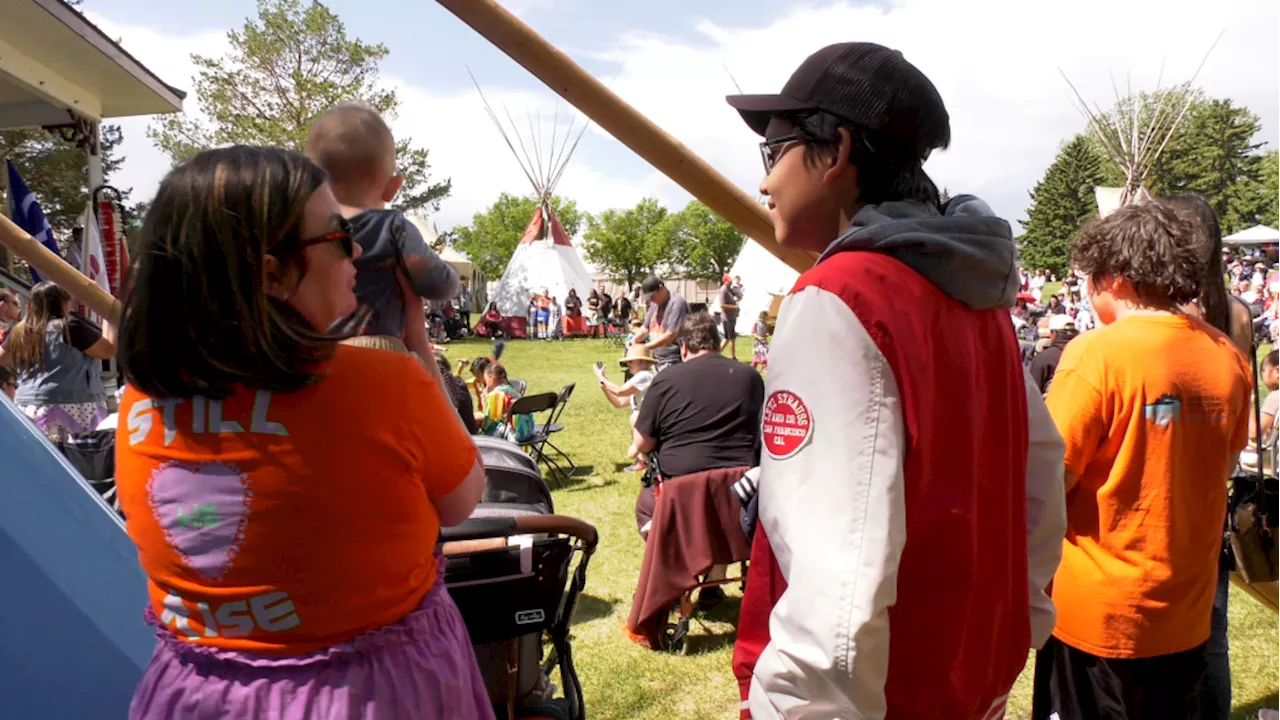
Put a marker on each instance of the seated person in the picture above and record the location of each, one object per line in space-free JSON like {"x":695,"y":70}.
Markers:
{"x":491,"y":322}
{"x":640,"y":364}
{"x":701,"y":414}
{"x":499,"y":396}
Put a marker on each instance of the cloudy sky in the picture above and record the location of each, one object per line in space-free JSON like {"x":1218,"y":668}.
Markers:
{"x":996,"y":63}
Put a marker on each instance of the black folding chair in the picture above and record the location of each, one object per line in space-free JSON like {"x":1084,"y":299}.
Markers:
{"x":536,"y":443}
{"x":553,"y":424}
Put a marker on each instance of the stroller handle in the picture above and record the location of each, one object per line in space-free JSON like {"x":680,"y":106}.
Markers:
{"x":478,"y":528}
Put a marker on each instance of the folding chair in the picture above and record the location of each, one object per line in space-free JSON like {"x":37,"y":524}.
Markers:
{"x":536,"y":443}
{"x":553,"y":424}
{"x":520,"y":386}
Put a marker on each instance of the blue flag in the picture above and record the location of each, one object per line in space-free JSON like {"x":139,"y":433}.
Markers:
{"x":26,"y":214}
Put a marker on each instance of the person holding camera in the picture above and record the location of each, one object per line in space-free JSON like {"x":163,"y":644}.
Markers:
{"x":640,"y":365}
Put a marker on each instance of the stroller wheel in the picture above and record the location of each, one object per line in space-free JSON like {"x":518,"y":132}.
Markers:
{"x":675,"y":637}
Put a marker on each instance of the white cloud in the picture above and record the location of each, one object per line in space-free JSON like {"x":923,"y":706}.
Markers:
{"x":169,"y":57}
{"x":994,"y":61}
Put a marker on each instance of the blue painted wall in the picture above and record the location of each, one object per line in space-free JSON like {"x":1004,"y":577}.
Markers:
{"x":72,"y":640}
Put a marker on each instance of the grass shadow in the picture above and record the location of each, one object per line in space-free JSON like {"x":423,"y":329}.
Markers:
{"x":1250,"y":711}
{"x":557,"y":481}
{"x":584,"y":486}
{"x":708,"y":642}
{"x":709,"y":639}
{"x":591,"y":608}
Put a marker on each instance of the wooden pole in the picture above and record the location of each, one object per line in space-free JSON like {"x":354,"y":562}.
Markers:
{"x":55,"y":269}
{"x":624,"y":122}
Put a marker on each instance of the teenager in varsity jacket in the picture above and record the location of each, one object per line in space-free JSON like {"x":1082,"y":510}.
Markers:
{"x":911,"y":498}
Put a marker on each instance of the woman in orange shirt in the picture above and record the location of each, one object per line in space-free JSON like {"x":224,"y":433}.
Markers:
{"x":285,"y":493}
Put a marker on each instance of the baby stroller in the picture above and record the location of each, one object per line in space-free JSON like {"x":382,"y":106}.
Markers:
{"x":507,"y":569}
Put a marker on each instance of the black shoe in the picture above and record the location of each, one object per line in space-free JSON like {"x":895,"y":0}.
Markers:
{"x":710,"y":597}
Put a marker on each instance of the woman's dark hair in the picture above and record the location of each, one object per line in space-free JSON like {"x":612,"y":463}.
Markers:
{"x":1206,"y":238}
{"x":25,"y":343}
{"x":197,"y":318}
{"x":1052,"y":298}
{"x":442,"y":362}
{"x":698,"y":332}
{"x":1146,"y":245}
{"x":479,"y":364}
{"x":887,"y":171}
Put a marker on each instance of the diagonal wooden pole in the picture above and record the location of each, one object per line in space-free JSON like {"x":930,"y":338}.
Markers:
{"x":624,"y":122}
{"x":55,"y":269}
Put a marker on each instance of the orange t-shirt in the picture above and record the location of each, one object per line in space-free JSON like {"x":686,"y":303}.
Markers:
{"x":1154,"y":410}
{"x":284,"y":523}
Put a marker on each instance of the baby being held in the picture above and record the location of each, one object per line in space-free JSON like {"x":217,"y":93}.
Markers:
{"x":356,"y":148}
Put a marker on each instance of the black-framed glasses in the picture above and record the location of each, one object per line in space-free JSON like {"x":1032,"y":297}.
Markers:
{"x":343,"y":236}
{"x":771,"y":151}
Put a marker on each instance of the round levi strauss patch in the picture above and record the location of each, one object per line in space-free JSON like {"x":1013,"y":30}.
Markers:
{"x":787,"y":425}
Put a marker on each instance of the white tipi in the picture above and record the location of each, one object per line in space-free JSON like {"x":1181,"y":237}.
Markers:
{"x":545,"y":261}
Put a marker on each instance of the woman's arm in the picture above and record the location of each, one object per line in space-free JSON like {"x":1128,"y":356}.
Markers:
{"x":104,"y":348}
{"x":455,"y":507}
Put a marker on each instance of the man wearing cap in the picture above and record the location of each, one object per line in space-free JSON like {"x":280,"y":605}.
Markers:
{"x":664,"y":312}
{"x":728,"y":301}
{"x":911,"y":499}
{"x":1061,"y":331}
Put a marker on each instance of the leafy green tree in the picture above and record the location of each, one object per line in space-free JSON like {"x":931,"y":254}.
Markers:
{"x":703,"y":244}
{"x":1060,"y":203}
{"x":285,"y":68}
{"x":492,"y":236}
{"x":57,"y":172}
{"x":629,"y":244}
{"x":1270,"y":189}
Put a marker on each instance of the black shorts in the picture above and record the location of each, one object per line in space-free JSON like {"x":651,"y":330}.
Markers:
{"x":730,"y":323}
{"x":1082,"y":686}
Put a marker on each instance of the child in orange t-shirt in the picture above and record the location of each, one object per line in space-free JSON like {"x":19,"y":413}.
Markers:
{"x":1153,"y":409}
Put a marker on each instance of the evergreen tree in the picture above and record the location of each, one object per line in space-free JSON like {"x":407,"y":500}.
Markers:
{"x":1213,"y":155}
{"x":1060,"y":203}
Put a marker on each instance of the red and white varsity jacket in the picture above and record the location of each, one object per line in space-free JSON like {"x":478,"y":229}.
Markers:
{"x":911,"y":504}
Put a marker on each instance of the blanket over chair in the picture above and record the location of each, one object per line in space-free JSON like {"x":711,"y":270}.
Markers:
{"x":695,"y":525}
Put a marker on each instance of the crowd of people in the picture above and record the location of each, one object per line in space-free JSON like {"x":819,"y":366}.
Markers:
{"x":904,"y":562}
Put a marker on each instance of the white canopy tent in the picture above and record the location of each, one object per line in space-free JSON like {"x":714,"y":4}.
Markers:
{"x":1256,"y":235}
{"x":461,"y":264}
{"x":765,"y":280}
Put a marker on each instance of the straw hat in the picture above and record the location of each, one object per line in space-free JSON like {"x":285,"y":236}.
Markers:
{"x":636,"y":352}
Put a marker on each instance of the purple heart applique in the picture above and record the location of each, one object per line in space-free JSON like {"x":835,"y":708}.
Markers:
{"x":203,"y":510}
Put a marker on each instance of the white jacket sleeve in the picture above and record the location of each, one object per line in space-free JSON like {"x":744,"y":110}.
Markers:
{"x":832,"y":503}
{"x":1046,"y":509}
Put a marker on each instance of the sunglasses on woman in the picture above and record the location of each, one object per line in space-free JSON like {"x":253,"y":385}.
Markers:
{"x":343,"y":236}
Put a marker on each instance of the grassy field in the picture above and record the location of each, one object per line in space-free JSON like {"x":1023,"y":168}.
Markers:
{"x":622,"y":680}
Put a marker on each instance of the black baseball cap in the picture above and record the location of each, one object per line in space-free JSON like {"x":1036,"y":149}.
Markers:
{"x":868,"y":85}
{"x":650,"y":286}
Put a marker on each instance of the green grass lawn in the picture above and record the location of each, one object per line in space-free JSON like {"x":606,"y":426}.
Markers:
{"x":622,"y":680}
